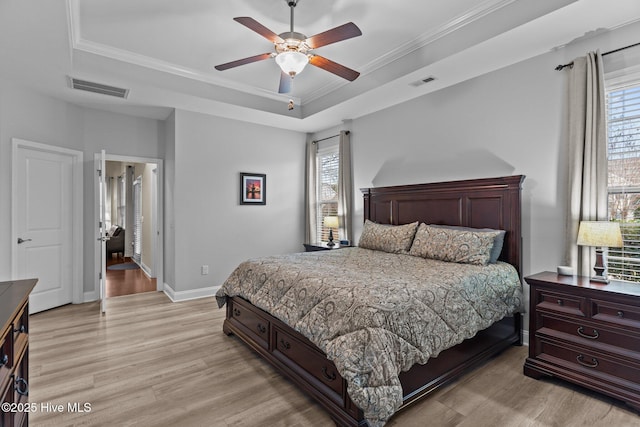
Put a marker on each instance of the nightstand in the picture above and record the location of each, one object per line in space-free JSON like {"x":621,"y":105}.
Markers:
{"x":321,"y":246}
{"x":587,"y":333}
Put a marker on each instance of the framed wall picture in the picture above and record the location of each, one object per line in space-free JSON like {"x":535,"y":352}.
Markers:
{"x":253,"y":188}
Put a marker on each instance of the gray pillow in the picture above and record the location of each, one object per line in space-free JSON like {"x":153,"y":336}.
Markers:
{"x":395,"y":239}
{"x":498,"y":242}
{"x":453,"y":245}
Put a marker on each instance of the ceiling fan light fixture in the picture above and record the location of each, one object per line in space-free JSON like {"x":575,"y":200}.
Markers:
{"x":292,"y":62}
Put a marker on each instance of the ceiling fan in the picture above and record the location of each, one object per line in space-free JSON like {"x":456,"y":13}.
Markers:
{"x":293,"y":51}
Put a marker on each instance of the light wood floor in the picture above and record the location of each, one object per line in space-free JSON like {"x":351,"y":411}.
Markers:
{"x":151,"y":362}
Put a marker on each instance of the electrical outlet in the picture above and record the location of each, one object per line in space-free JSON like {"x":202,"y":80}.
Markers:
{"x":204,"y":269}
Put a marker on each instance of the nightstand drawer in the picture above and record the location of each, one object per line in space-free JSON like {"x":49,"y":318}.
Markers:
{"x":588,"y":361}
{"x":616,"y":313}
{"x":586,"y":332}
{"x":561,"y":302}
{"x":589,"y":334}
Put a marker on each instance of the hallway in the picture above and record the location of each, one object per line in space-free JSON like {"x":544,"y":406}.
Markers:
{"x":126,"y":281}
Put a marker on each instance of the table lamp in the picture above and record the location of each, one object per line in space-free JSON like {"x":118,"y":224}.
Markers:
{"x":330,"y":222}
{"x":599,"y":234}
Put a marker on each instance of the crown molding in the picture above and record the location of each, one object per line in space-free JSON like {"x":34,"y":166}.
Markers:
{"x":78,"y":43}
{"x":479,"y":11}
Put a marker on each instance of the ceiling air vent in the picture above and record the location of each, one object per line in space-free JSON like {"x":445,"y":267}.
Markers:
{"x":423,"y":81}
{"x":98,"y":88}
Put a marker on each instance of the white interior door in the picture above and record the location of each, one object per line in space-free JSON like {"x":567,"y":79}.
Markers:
{"x":102,"y":228}
{"x":43,"y":192}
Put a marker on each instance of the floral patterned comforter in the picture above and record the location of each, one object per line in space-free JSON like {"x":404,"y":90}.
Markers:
{"x":376,"y":314}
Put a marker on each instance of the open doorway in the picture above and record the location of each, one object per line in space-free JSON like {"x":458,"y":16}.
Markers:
{"x":133,"y":256}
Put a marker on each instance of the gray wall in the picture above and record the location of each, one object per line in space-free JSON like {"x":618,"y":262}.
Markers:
{"x":507,"y":122}
{"x":28,"y":115}
{"x":211,"y":227}
{"x":204,"y":223}
{"x":510,"y":121}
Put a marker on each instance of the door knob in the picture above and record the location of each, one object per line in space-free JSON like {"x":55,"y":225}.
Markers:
{"x":21,"y":240}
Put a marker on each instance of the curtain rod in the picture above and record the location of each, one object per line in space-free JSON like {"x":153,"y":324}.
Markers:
{"x":560,"y":67}
{"x":329,"y":137}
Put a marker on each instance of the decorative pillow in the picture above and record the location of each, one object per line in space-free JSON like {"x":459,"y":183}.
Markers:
{"x":388,"y":238}
{"x":446,"y":244}
{"x":498,"y":242}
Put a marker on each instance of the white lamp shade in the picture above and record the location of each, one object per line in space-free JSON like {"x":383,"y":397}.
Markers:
{"x":292,"y":62}
{"x":330,"y":221}
{"x":600,"y":233}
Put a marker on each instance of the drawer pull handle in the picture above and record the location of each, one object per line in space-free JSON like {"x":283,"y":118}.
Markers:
{"x":285,"y":344}
{"x":620,"y":314}
{"x":21,"y":329}
{"x":236,"y":312}
{"x":593,"y":364}
{"x":22,"y":387}
{"x":591,"y":337}
{"x":4,"y":360}
{"x":328,"y":377}
{"x":261,"y":328}
{"x":560,"y":302}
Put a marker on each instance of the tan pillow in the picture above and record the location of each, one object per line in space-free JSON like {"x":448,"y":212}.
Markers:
{"x":388,"y":238}
{"x":445,"y":244}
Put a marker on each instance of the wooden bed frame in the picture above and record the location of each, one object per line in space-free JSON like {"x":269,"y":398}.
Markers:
{"x":491,"y":203}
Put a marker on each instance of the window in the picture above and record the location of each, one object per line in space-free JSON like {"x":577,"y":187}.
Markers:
{"x":327,"y":188}
{"x":623,"y":128}
{"x":122,"y":203}
{"x":137,"y":218}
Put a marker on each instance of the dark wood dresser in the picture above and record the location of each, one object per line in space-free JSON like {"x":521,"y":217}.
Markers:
{"x":14,"y":351}
{"x":587,"y":333}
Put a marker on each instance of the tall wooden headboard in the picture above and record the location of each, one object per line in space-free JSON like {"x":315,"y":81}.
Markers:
{"x":480,"y":203}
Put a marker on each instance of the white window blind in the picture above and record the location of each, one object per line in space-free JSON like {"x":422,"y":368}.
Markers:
{"x":122,"y":203}
{"x":137,"y":217}
{"x":623,"y":128}
{"x":327,"y":188}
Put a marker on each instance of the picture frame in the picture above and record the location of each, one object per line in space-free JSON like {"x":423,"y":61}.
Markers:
{"x":253,"y":188}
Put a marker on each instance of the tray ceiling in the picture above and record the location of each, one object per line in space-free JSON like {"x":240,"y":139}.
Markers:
{"x":164,"y":51}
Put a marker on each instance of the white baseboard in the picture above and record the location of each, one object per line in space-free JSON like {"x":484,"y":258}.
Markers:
{"x":145,"y":269}
{"x":91,"y":296}
{"x":173,"y":295}
{"x":525,"y":337}
{"x":190,"y":294}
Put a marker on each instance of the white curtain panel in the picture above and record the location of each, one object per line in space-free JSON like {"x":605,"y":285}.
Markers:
{"x":311,"y":193}
{"x":345,"y":187}
{"x":587,"y":156}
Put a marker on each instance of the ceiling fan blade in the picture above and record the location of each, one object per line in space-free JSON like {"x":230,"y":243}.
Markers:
{"x":243,"y":61}
{"x":285,"y":83}
{"x":333,"y":35}
{"x":334,"y":67}
{"x":254,"y":25}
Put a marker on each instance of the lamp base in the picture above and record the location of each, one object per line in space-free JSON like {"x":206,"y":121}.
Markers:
{"x":599,"y":268}
{"x":599,"y":279}
{"x":331,"y":243}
